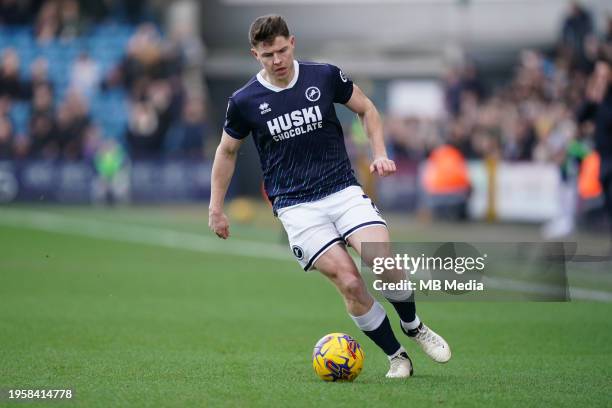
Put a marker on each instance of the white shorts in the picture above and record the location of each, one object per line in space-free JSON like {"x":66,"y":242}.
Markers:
{"x":316,"y":226}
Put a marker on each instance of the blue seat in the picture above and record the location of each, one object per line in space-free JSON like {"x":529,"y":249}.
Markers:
{"x":106,"y":44}
{"x":20,"y":115}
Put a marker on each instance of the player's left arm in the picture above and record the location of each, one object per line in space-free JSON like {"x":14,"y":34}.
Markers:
{"x":372,"y":123}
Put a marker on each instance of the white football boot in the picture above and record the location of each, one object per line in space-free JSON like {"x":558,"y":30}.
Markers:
{"x":401,"y":366}
{"x":431,"y":342}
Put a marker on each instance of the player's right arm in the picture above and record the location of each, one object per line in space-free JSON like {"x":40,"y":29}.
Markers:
{"x":222,"y":171}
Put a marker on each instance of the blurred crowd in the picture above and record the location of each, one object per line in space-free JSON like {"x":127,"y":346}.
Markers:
{"x":532,"y":118}
{"x":69,"y":18}
{"x":75,"y":114}
{"x":129,"y":94}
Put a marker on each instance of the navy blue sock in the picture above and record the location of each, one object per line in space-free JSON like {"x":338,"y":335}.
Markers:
{"x":384,"y":337}
{"x":406,"y":309}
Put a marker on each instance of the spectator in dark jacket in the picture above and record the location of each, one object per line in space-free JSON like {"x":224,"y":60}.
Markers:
{"x":598,"y":108}
{"x":10,"y":82}
{"x":186,"y":138}
{"x":6,"y":138}
{"x":144,"y":136}
{"x":578,"y":25}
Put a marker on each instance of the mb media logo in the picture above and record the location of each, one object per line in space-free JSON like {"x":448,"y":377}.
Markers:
{"x":264,"y":108}
{"x":313,"y":94}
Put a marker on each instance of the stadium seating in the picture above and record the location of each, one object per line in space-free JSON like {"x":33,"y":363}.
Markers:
{"x":105,"y":44}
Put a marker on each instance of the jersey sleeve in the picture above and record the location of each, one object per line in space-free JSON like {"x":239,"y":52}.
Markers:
{"x":235,"y":125}
{"x":342,"y":84}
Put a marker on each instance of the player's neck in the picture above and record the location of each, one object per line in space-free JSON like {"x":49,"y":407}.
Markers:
{"x":280,"y":82}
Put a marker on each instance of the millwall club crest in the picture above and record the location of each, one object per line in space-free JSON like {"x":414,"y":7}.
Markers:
{"x":313,"y":94}
{"x":298,"y":252}
{"x":264,"y":108}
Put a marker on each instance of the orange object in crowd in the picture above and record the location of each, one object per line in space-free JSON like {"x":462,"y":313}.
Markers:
{"x":588,"y":178}
{"x":446,"y":171}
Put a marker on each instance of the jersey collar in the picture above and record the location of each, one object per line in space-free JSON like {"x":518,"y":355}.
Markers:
{"x":275,"y":88}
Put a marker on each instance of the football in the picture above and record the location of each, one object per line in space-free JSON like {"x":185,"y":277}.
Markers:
{"x":337,"y":357}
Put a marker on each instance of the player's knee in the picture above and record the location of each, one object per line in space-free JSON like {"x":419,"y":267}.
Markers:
{"x":378,"y":250}
{"x":352,"y":287}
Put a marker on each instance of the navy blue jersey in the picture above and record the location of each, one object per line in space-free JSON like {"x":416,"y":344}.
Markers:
{"x":296,"y":132}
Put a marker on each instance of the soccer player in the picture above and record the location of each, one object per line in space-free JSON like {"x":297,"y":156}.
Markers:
{"x":288,"y":107}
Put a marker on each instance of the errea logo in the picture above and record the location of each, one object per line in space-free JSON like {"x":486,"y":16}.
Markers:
{"x":265,"y":108}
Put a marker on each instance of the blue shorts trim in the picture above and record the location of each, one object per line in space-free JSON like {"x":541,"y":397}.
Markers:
{"x":365,"y":224}
{"x":320,"y":251}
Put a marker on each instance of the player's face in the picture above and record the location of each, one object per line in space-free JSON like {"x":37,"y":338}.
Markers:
{"x":277,"y":57}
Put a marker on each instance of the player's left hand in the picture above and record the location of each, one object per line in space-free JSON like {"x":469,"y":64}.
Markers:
{"x":383,"y":166}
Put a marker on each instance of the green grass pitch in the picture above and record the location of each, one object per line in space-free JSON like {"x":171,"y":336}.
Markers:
{"x":134,"y":323}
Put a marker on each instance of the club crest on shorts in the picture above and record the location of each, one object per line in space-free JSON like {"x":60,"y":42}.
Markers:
{"x":313,"y":94}
{"x":298,"y":252}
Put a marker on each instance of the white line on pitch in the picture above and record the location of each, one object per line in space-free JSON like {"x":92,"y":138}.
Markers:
{"x":163,"y":237}
{"x":141,"y":234}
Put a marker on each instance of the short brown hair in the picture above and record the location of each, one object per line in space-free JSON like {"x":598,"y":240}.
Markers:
{"x":266,"y":28}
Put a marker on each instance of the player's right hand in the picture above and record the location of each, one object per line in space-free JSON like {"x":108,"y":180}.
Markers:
{"x":219,"y":224}
{"x":383,"y":166}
